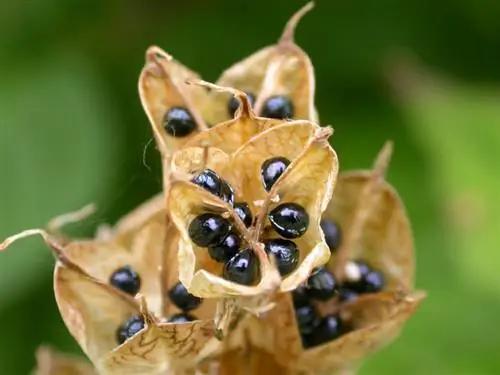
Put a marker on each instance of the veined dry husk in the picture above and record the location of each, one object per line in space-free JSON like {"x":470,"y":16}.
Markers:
{"x":93,"y":310}
{"x":376,"y":230}
{"x":281,"y":69}
{"x":236,"y":150}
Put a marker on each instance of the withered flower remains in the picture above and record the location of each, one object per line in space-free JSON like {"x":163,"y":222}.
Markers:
{"x":257,"y":257}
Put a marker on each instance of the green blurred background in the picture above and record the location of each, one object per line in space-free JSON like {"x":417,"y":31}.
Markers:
{"x":72,"y":131}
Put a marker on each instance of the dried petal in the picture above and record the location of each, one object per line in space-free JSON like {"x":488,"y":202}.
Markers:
{"x":50,"y":362}
{"x":162,"y":87}
{"x":375,"y":226}
{"x":283,"y":69}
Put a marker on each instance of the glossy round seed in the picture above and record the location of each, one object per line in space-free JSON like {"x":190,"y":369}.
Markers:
{"x":181,"y":298}
{"x":346,"y":295}
{"x":181,"y":318}
{"x":286,"y":254}
{"x":332,"y":234}
{"x":279,"y":107}
{"x":208,"y":180}
{"x":227,"y":193}
{"x":373,"y":282}
{"x":178,"y":122}
{"x":307,"y":319}
{"x":234,"y":104}
{"x":208,"y":229}
{"x":272,"y":169}
{"x":328,"y":329}
{"x":243,"y":268}
{"x":126,"y":279}
{"x":289,"y":220}
{"x":128,"y":329}
{"x":243,"y":211}
{"x":321,"y":285}
{"x":300,"y":297}
{"x":227,"y":249}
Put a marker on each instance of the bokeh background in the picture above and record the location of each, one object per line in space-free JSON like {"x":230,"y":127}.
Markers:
{"x":425,"y":74}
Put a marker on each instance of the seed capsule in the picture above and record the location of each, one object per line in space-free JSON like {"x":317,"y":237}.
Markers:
{"x":279,"y":107}
{"x":185,"y":301}
{"x":243,"y":211}
{"x":332,"y":234}
{"x":227,"y":249}
{"x":233,"y":104}
{"x":242,"y":268}
{"x":178,"y":122}
{"x":321,"y":285}
{"x":126,"y":279}
{"x":208,"y":229}
{"x":272,"y":169}
{"x":285,"y":252}
{"x":128,"y":329}
{"x":289,"y":220}
{"x":181,"y":318}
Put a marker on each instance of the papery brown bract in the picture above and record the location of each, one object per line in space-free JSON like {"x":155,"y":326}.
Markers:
{"x":50,"y":362}
{"x":281,"y":69}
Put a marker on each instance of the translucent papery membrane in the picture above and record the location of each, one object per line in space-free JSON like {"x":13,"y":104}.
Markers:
{"x":282,"y":69}
{"x":308,"y":181}
{"x":93,"y":312}
{"x":383,"y":237}
{"x":162,"y":86}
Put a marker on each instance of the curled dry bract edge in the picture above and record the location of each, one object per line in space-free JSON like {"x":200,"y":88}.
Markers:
{"x":309,"y":181}
{"x":281,"y":69}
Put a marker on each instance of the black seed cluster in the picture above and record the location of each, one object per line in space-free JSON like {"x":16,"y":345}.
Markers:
{"x":278,"y":107}
{"x":217,"y":234}
{"x":234,"y":104}
{"x":179,"y":122}
{"x":181,"y":298}
{"x":370,"y":281}
{"x":128,"y":329}
{"x":126,"y":279}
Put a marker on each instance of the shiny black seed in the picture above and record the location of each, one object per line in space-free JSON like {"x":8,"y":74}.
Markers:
{"x":329,"y":328}
{"x":227,"y":249}
{"x":208,"y":229}
{"x":332,"y":234}
{"x":178,"y":122}
{"x":321,"y":285}
{"x":280,"y":107}
{"x":181,"y":318}
{"x":227,"y":193}
{"x":363,"y":268}
{"x":285,"y":252}
{"x":181,"y":298}
{"x":289,"y":220}
{"x":346,"y":294}
{"x":300,"y":297}
{"x":128,"y":329}
{"x":272,"y":169}
{"x":243,"y":268}
{"x":243,"y":211}
{"x":370,"y":281}
{"x":234,"y":104}
{"x":209,"y":180}
{"x":307,"y":319}
{"x":126,"y":279}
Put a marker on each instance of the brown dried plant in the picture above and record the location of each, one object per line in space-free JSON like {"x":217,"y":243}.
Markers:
{"x":229,"y":129}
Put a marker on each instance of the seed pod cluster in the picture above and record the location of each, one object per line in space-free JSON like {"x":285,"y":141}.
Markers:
{"x":258,"y":257}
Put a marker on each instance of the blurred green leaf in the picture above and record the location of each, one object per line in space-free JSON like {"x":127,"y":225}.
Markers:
{"x":459,"y":128}
{"x":56,"y":155}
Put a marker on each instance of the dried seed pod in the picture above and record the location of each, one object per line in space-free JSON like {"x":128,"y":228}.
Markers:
{"x":308,"y":181}
{"x":280,"y":78}
{"x":172,"y":108}
{"x":50,"y":362}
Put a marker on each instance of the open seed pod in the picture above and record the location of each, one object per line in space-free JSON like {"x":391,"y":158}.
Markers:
{"x":113,"y":299}
{"x":172,"y":108}
{"x":283,"y":174}
{"x":360,"y":300}
{"x":279,"y":79}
